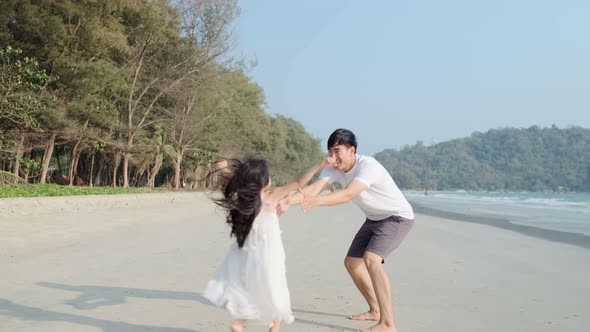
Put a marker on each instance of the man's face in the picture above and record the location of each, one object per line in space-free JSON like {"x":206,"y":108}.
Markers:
{"x":344,"y":157}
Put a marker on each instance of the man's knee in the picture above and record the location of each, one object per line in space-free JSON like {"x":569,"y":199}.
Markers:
{"x":371,"y":259}
{"x":351,"y":263}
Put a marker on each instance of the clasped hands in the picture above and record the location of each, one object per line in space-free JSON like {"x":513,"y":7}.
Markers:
{"x":285,"y":203}
{"x":308,"y":202}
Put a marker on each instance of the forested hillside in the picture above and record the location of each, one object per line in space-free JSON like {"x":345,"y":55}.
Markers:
{"x":532,"y":159}
{"x":132,"y":93}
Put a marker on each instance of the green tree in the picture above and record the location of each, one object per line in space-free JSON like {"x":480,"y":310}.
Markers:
{"x":21,"y":87}
{"x":533,"y":159}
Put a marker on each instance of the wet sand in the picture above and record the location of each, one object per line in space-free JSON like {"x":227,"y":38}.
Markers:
{"x":576,"y":239}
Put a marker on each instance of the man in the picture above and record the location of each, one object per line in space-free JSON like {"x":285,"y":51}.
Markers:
{"x":389,"y":218}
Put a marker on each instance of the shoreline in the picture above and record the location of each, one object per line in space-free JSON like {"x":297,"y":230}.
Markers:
{"x":31,"y":206}
{"x":577,"y":239}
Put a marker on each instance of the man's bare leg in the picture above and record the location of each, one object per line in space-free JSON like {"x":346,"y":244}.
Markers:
{"x":237,"y":325}
{"x":276,"y":326}
{"x":359,"y":274}
{"x":382,"y":287}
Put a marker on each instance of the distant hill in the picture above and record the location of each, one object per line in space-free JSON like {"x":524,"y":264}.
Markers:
{"x":532,"y":159}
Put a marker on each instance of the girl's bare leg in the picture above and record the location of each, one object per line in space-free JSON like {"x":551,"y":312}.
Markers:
{"x":276,"y":326}
{"x":237,"y":325}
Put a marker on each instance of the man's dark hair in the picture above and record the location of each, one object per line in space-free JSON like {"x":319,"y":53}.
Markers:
{"x":343,"y":137}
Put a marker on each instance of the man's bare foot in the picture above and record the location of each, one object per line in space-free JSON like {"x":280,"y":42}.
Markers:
{"x":380,"y":328}
{"x":369,"y":315}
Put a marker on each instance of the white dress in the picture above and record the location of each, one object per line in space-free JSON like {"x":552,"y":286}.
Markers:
{"x":252,"y":281}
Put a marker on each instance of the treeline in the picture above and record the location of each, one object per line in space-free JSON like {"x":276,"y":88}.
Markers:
{"x":132,"y":93}
{"x":533,"y":159}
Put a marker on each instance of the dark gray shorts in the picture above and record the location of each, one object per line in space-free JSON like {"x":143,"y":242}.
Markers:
{"x":380,"y":236}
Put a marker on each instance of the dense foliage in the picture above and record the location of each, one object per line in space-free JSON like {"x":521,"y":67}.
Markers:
{"x":132,"y":93}
{"x":533,"y":159}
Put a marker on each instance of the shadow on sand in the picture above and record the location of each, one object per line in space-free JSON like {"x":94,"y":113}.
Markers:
{"x":9,"y":308}
{"x":92,"y":297}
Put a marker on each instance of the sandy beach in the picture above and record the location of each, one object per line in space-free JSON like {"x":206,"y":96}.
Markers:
{"x":139,"y":263}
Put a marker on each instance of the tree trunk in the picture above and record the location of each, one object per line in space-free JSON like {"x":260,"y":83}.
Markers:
{"x":154,"y":171}
{"x":57,"y":158}
{"x":47,"y":158}
{"x":126,"y":159}
{"x":76,"y":163}
{"x":197,"y":176}
{"x":30,"y":157}
{"x":116,"y":166}
{"x":20,"y":150}
{"x":126,"y":170}
{"x":73,"y":163}
{"x":177,"y":169}
{"x":91,"y":170}
{"x":26,"y":170}
{"x":98,"y":178}
{"x":75,"y":156}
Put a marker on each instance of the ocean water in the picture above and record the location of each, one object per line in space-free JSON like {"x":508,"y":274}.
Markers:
{"x":567,"y":212}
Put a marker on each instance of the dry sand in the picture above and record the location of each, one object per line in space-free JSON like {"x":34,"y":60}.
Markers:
{"x":139,"y":262}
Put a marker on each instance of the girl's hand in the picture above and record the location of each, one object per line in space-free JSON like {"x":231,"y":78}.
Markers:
{"x":283,"y":206}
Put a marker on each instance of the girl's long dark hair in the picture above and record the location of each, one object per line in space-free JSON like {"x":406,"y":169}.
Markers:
{"x":241,"y":183}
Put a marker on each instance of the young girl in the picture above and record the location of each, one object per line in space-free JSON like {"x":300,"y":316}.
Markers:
{"x":251,"y":282}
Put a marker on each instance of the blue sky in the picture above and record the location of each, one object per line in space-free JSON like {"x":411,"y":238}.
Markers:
{"x":399,"y":71}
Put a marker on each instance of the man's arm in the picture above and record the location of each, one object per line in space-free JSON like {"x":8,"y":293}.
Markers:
{"x":310,"y":191}
{"x":281,"y":192}
{"x":334,"y":198}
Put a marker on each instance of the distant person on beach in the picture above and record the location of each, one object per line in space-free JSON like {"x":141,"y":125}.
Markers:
{"x":389,"y":218}
{"x":251,"y":282}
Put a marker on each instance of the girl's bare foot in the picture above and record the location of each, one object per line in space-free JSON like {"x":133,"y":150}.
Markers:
{"x":276,"y":326}
{"x":237,"y":326}
{"x":369,"y":315}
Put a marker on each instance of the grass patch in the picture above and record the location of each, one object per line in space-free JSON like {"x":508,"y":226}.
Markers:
{"x":41,"y":190}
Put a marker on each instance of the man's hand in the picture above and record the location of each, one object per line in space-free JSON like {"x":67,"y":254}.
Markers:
{"x":283,"y":206}
{"x":309,"y":203}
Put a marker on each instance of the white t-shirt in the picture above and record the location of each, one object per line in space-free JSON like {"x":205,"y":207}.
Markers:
{"x":382,"y":198}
